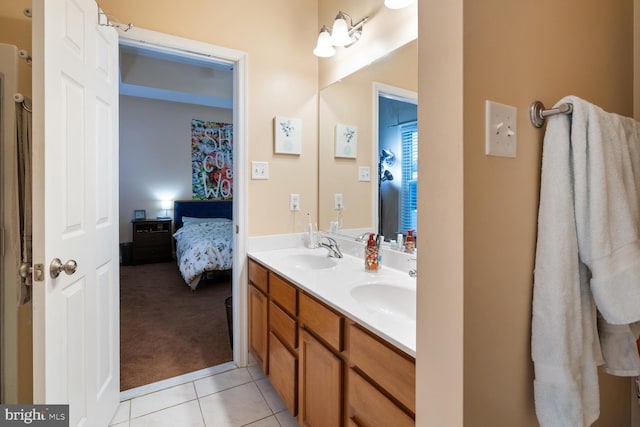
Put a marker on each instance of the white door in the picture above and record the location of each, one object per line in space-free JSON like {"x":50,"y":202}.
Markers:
{"x":75,"y":210}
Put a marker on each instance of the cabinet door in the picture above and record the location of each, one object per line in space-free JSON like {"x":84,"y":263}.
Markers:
{"x":368,"y":407}
{"x":283,"y":373}
{"x":320,"y":384}
{"x":258,"y":323}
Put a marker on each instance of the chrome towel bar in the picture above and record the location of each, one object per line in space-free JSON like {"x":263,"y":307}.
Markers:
{"x":537,"y":113}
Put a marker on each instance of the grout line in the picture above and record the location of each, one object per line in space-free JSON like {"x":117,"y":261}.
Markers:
{"x":163,"y":408}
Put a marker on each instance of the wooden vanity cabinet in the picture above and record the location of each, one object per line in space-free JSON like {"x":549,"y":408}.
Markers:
{"x":381,"y":382}
{"x":258,"y":314}
{"x":283,"y":340}
{"x":329,"y":370}
{"x":321,"y":384}
{"x":321,"y":394}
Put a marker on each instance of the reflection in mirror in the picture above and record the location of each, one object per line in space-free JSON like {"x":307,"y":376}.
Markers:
{"x":397,"y":164}
{"x":380,"y":101}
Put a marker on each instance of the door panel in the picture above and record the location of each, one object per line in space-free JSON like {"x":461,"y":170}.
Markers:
{"x":76,"y":316}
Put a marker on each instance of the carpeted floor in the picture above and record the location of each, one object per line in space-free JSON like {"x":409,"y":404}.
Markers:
{"x":165,"y":328}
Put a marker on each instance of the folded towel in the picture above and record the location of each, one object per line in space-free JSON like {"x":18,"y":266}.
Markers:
{"x":587,"y":232}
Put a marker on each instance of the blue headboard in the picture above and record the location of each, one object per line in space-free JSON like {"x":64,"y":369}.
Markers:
{"x":201,"y":209}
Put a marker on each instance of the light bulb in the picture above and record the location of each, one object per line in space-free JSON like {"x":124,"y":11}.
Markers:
{"x":340,"y":31}
{"x":324,"y":48}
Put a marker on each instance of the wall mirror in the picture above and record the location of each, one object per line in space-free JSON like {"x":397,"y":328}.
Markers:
{"x":375,"y":182}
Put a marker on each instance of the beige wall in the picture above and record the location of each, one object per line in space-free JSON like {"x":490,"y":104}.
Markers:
{"x":282,"y":81}
{"x":480,"y":212}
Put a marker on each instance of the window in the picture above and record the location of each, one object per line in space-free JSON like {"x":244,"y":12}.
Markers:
{"x":409,"y":191}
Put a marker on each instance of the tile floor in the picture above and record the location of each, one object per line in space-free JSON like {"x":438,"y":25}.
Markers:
{"x":237,"y":397}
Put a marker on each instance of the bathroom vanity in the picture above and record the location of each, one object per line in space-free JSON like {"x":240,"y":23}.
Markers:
{"x":319,"y":329}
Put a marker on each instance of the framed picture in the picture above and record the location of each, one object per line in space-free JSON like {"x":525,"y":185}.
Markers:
{"x":288,"y":135}
{"x":346,"y":141}
{"x":139,"y":214}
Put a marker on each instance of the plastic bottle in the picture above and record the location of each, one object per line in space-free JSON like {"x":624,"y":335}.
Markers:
{"x":371,"y":254}
{"x":410,"y":242}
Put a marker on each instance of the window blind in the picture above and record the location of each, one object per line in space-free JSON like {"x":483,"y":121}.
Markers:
{"x":409,"y":189}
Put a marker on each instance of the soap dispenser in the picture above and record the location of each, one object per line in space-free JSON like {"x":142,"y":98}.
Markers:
{"x":410,"y":242}
{"x":371,"y":254}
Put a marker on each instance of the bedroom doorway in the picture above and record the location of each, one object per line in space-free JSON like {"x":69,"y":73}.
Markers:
{"x":166,"y":83}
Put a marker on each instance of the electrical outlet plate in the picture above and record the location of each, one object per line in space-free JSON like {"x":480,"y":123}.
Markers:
{"x":294,"y":202}
{"x":364,"y":173}
{"x":337,"y":197}
{"x":259,"y":170}
{"x":500,"y":129}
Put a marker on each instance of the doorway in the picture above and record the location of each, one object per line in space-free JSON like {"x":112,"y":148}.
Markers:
{"x":183,"y":57}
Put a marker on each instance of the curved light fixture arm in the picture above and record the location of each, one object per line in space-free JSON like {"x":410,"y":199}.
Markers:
{"x":355,"y":30}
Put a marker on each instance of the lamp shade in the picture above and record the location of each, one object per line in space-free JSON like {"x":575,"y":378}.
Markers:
{"x":324,"y":48}
{"x":166,"y":204}
{"x":397,"y":4}
{"x":340,"y":31}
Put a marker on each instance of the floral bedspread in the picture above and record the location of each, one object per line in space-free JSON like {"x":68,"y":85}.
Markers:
{"x":203,"y":247}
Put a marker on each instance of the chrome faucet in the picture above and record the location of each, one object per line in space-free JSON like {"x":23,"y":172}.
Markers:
{"x":332,"y":246}
{"x":363,"y":237}
{"x":414,"y":271}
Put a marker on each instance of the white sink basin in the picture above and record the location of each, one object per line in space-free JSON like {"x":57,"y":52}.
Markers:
{"x":312,"y":262}
{"x":387,"y":299}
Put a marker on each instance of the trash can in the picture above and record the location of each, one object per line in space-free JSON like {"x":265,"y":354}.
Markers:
{"x":126,"y":253}
{"x":228,"y":305}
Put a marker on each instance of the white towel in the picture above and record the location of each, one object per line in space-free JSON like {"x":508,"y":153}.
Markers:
{"x":587,"y":226}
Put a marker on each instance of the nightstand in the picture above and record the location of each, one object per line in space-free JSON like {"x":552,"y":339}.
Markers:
{"x":151,"y":241}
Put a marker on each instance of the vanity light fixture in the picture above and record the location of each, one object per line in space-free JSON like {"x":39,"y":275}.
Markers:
{"x":344,"y":33}
{"x":397,"y":4}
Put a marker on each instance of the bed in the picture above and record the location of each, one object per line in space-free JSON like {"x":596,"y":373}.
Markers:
{"x":204,"y":238}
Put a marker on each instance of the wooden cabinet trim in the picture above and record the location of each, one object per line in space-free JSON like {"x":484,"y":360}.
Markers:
{"x":319,"y":365}
{"x":283,"y":293}
{"x":283,"y":373}
{"x":258,"y":276}
{"x":322,"y":321}
{"x":386,"y":367}
{"x":282,"y":325}
{"x":368,"y":407}
{"x":258,"y":324}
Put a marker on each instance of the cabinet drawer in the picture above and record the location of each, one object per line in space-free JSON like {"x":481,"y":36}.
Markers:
{"x":370,"y":408}
{"x":283,"y":293}
{"x":283,"y":325}
{"x":323,"y":321}
{"x":149,"y":239}
{"x":258,"y":276}
{"x":390,"y":370}
{"x":283,"y":373}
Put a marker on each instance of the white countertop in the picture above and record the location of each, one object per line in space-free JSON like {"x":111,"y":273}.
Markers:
{"x":387,"y":311}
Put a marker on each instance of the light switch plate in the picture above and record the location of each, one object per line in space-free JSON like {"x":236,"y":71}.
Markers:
{"x":500,"y":129}
{"x":259,"y":170}
{"x":364,"y":173}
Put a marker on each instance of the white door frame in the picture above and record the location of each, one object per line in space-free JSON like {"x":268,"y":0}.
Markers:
{"x":191,"y":48}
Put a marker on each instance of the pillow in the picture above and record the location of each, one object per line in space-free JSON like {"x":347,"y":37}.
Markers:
{"x":188,"y":220}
